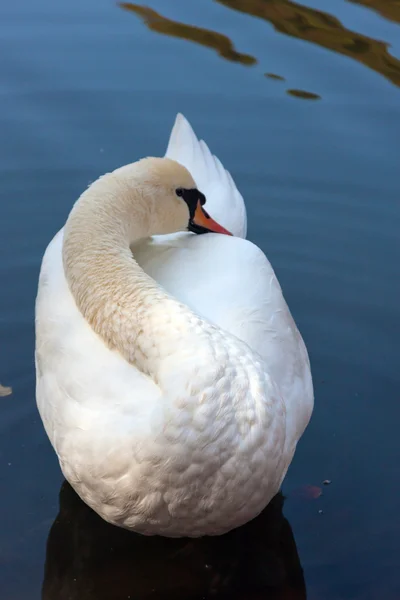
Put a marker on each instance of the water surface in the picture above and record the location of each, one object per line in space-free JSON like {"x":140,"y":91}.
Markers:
{"x":89,"y":85}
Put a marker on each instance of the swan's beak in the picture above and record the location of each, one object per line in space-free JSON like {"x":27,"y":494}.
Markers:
{"x":203,"y":223}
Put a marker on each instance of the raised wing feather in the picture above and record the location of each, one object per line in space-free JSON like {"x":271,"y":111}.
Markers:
{"x":224,"y":201}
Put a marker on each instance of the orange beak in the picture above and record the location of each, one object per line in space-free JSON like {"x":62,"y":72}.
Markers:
{"x":202,"y":222}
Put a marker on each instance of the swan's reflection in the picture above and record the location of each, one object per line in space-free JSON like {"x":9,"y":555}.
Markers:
{"x":88,"y":559}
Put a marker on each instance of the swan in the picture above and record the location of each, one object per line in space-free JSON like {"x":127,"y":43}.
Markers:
{"x":171,"y":378}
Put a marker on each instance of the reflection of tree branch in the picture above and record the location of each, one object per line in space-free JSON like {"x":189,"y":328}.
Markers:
{"x":303,"y":94}
{"x":390,"y":9}
{"x":324,"y":30}
{"x":211,"y":39}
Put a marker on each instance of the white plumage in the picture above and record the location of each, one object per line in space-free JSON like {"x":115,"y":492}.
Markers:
{"x":191,"y":432}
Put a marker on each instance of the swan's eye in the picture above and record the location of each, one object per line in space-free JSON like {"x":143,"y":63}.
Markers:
{"x":192,"y":197}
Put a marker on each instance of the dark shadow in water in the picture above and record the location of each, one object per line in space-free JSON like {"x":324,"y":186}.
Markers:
{"x":322,"y":29}
{"x":274,"y":76}
{"x":389,"y":9}
{"x":89,"y":559}
{"x":303,"y":94}
{"x":205,"y":37}
{"x":295,"y":93}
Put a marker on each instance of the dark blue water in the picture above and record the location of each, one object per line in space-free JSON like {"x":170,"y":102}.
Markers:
{"x":86,"y":86}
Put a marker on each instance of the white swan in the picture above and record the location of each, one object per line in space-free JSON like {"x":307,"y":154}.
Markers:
{"x":174,"y":386}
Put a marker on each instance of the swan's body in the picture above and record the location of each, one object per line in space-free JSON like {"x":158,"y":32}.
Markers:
{"x":178,"y":412}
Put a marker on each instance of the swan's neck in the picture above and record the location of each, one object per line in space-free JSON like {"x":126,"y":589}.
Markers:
{"x":118,"y":299}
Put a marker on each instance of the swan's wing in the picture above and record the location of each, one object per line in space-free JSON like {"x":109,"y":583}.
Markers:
{"x":224,"y":201}
{"x":230,"y":282}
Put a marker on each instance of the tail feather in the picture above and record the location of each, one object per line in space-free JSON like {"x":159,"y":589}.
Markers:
{"x":224,"y":201}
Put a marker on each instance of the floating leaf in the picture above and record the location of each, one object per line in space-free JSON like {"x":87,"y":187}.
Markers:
{"x":5,"y":390}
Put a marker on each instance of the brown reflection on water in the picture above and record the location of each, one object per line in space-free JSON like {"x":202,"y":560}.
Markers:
{"x":320,"y":28}
{"x":274,"y":76}
{"x":205,"y":37}
{"x":390,"y":9}
{"x":303,"y":94}
{"x":89,"y":559}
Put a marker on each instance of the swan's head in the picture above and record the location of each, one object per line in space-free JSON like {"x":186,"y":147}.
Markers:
{"x":177,"y":204}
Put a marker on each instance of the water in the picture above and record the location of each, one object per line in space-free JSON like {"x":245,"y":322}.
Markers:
{"x":302,"y":104}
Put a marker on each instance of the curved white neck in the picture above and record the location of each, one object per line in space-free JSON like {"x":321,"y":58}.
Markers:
{"x":118,"y":299}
